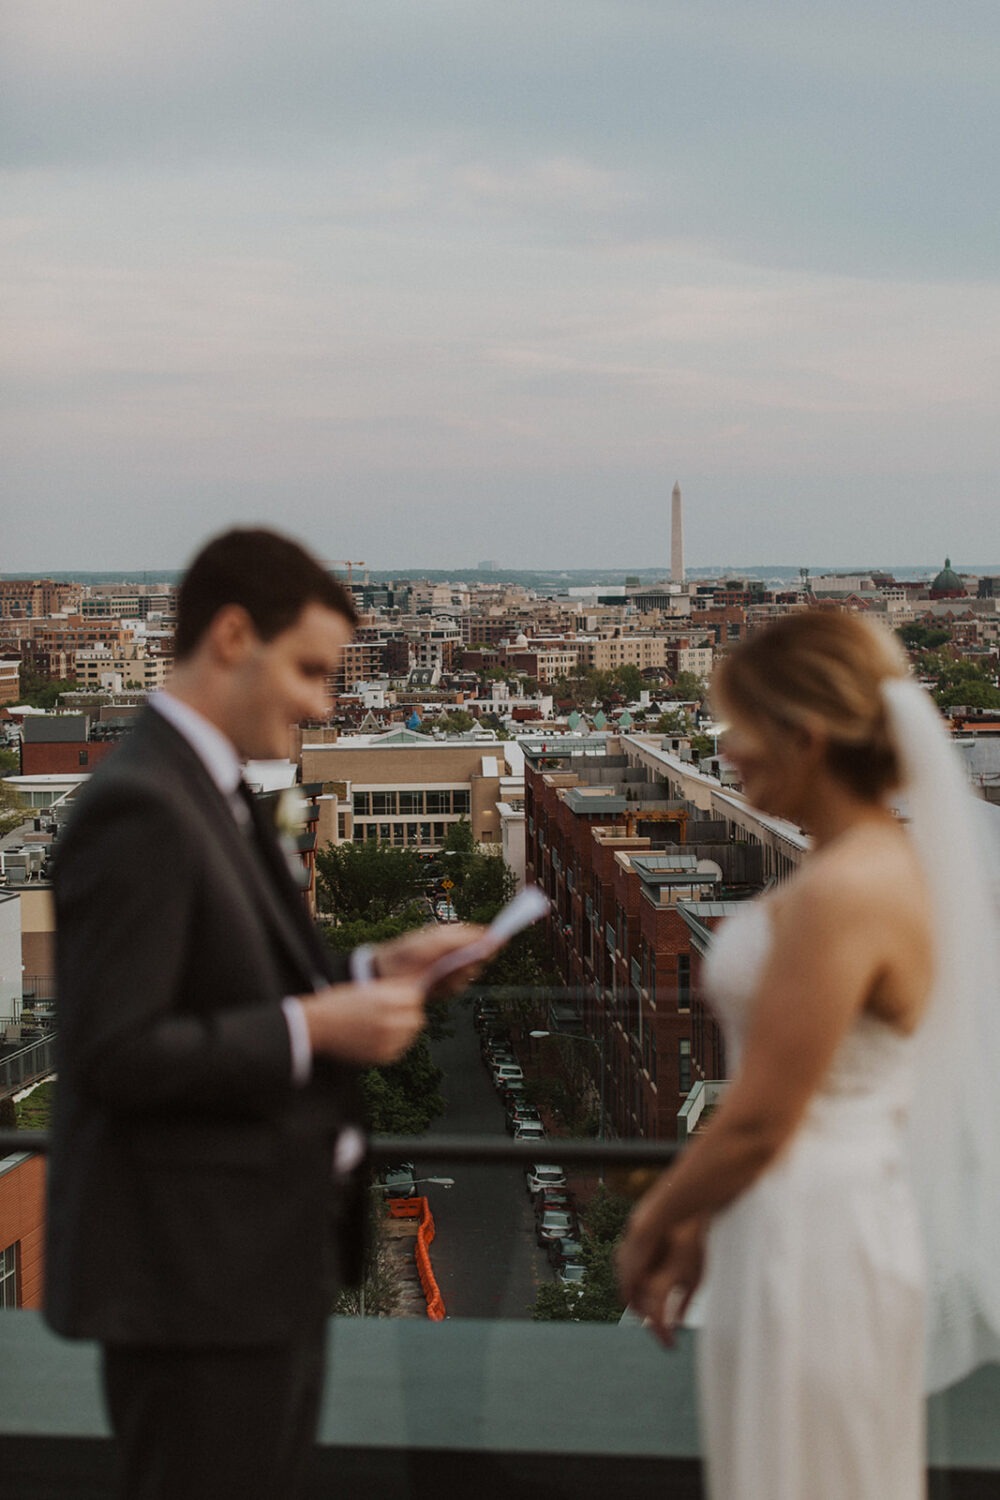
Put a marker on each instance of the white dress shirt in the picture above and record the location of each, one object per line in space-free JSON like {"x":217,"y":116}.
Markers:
{"x":218,"y":755}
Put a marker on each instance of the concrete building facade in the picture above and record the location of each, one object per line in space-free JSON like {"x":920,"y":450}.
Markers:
{"x":407,"y":789}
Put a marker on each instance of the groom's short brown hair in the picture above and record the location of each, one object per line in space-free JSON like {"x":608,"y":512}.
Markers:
{"x":271,"y":576}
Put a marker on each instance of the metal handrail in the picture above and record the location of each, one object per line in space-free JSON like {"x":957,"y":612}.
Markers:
{"x":387,"y":1149}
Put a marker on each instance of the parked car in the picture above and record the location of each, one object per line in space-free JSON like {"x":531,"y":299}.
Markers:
{"x":507,"y":1073}
{"x":544,"y":1174}
{"x":495,"y":1054}
{"x":554,"y":1197}
{"x":572,"y":1276}
{"x":530,"y":1130}
{"x":485,"y":1013}
{"x":562,"y":1252}
{"x":494,"y":1039}
{"x":518,"y":1113}
{"x":399,"y":1181}
{"x":555,"y":1224}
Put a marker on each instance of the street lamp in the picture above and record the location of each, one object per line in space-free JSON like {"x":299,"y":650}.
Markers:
{"x":569,"y":1036}
{"x":445,"y":1182}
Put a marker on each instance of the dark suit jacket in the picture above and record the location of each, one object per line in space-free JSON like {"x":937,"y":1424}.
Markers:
{"x":191,"y":1195}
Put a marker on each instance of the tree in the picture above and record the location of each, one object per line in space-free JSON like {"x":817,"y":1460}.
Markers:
{"x":43,"y":692}
{"x":459,"y":720}
{"x":524,"y":970}
{"x":349,"y":935}
{"x":487,"y":884}
{"x":458,"y":838}
{"x":958,"y":681}
{"x":971,"y":694}
{"x":922,"y":637}
{"x":674,"y":721}
{"x":367,"y":882}
{"x":553,"y":1305}
{"x":405,"y":1096}
{"x":630,"y":681}
{"x":599,"y":1301}
{"x":452,"y":721}
{"x":606,"y":1215}
{"x":687,"y":687}
{"x":596,"y":1302}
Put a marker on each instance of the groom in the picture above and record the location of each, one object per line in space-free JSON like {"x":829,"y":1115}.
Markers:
{"x":205,"y":1185}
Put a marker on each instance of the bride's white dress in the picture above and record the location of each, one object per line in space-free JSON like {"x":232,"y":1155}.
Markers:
{"x":810,"y":1360}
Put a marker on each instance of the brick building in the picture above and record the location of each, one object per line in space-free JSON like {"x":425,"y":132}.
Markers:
{"x":618,"y":857}
{"x":641,"y":854}
{"x":22,"y":1230}
{"x":52,"y":744}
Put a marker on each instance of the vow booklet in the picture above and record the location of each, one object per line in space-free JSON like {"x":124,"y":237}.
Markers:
{"x":527,"y":906}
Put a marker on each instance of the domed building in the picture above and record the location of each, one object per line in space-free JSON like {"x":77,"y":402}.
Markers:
{"x":947,"y":584}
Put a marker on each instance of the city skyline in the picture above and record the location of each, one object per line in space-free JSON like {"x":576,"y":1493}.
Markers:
{"x":428,"y":284}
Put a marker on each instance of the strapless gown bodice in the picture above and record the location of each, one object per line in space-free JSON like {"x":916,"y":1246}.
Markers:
{"x":810,"y":1354}
{"x":868,"y":1087}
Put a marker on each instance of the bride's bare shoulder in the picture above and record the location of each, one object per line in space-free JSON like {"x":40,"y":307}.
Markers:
{"x":871,"y":869}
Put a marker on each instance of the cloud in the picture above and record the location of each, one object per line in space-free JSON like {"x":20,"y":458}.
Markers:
{"x":461,"y":261}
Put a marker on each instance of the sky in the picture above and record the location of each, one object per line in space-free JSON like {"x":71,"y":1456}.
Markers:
{"x":427,"y":282}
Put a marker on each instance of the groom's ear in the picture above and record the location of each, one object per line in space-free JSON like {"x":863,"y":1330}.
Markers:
{"x":231,"y":634}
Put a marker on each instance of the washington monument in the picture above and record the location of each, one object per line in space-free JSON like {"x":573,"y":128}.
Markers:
{"x":676,"y":538}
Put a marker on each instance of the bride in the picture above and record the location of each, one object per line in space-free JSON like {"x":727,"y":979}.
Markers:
{"x":847,"y":1056}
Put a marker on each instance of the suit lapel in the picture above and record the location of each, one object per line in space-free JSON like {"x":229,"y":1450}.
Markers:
{"x":260,"y":873}
{"x":275,"y":861}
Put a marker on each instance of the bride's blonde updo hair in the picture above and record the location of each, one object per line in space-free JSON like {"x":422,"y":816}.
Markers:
{"x":825,"y":667}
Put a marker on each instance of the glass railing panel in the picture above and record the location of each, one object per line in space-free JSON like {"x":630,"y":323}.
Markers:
{"x":461,"y":1183}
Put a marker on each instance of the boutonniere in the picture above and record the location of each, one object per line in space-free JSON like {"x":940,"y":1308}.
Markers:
{"x":290,"y":822}
{"x":290,"y":813}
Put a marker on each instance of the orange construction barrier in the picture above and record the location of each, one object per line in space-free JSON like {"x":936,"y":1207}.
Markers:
{"x":421,"y":1254}
{"x":405,"y":1208}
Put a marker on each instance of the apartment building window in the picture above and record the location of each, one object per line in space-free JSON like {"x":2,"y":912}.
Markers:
{"x":8,"y":1277}
{"x":683,"y":981}
{"x":684,"y":1066}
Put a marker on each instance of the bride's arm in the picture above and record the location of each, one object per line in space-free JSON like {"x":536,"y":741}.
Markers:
{"x":829,"y":946}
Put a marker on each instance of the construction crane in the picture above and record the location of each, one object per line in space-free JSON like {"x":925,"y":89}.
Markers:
{"x":350,"y":566}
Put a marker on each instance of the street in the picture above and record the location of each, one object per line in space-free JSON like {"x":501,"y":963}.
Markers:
{"x":485,"y":1258}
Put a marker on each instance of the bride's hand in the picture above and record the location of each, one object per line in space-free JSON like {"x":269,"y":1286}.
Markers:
{"x":644,"y":1245}
{"x":663,"y":1294}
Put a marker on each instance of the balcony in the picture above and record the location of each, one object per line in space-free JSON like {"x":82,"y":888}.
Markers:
{"x":494,"y":1408}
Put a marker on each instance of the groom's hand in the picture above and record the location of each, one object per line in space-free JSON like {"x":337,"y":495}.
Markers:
{"x":365,"y":1024}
